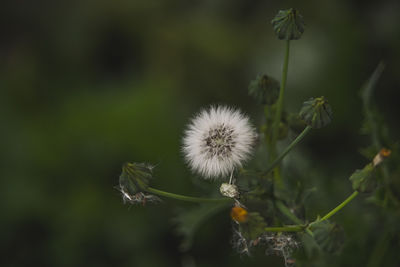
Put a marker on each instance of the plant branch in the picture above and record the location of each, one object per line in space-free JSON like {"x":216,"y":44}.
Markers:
{"x":287,"y":150}
{"x":300,"y":227}
{"x":185,"y":198}
{"x":287,"y":212}
{"x":339,"y":207}
{"x":278,"y":114}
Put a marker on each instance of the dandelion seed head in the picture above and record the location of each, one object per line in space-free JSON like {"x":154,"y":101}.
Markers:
{"x":218,"y":140}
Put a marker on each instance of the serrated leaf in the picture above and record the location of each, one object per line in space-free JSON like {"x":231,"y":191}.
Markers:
{"x":329,"y":236}
{"x":364,"y":180}
{"x":253,"y":227}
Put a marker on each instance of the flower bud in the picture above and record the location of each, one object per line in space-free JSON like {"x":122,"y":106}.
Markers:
{"x":229,"y":190}
{"x":288,"y":24}
{"x":264,"y":89}
{"x":316,"y":112}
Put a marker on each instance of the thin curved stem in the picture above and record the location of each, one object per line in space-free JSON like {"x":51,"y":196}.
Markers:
{"x":339,"y":207}
{"x":287,"y":212}
{"x":300,"y":227}
{"x":287,"y":150}
{"x":186,"y":198}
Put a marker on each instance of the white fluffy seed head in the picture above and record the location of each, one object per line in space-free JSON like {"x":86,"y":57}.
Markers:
{"x":218,"y":140}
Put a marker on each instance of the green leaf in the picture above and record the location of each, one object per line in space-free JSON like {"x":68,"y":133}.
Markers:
{"x":329,"y":236}
{"x":372,"y":123}
{"x":364,"y":180}
{"x":254,"y":226}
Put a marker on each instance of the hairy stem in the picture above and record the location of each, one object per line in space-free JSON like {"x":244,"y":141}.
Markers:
{"x":186,"y":198}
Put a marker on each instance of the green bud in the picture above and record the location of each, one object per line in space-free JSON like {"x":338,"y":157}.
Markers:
{"x":364,"y":180}
{"x":316,"y":112}
{"x":329,"y":236}
{"x":264,"y":89}
{"x":288,"y":24}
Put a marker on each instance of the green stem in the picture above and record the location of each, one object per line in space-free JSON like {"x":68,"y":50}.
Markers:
{"x":185,"y":198}
{"x":287,"y":228}
{"x":286,"y":211}
{"x":300,"y":227}
{"x":278,"y":114}
{"x":339,"y":207}
{"x":287,"y":150}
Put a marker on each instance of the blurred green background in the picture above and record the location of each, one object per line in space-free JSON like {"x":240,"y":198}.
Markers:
{"x":88,"y":85}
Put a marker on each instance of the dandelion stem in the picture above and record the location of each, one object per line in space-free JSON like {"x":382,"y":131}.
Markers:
{"x":281,"y":96}
{"x":287,"y":212}
{"x":300,"y":227}
{"x":186,"y":198}
{"x":339,"y":207}
{"x":287,"y":150}
{"x":278,"y":114}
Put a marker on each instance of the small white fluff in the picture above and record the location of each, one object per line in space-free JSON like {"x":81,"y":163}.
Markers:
{"x":218,"y":140}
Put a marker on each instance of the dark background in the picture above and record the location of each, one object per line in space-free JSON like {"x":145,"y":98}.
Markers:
{"x":88,"y":85}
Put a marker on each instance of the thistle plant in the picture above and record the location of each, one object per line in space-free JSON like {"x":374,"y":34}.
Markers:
{"x":220,"y":140}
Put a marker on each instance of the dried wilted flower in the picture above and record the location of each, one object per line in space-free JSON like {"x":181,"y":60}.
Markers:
{"x":133,"y":179}
{"x":217,"y":141}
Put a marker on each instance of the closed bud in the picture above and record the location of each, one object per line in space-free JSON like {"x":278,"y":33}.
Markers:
{"x":229,"y":190}
{"x":264,"y":89}
{"x":316,"y":112}
{"x":288,"y":24}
